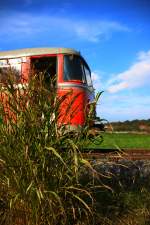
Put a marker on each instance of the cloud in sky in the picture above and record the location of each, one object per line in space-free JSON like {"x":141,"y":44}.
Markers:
{"x":97,"y":80}
{"x":138,"y":75}
{"x":116,"y":107}
{"x":127,"y":94}
{"x":95,"y":31}
{"x":25,"y":25}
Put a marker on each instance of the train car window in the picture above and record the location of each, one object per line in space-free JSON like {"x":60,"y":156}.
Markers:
{"x":7,"y":72}
{"x":73,"y":68}
{"x":10,"y":68}
{"x":46,"y":66}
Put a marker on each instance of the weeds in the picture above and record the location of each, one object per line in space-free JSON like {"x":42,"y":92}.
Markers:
{"x":43,"y":177}
{"x":41,"y":162}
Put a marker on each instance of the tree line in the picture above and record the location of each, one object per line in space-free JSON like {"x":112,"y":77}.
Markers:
{"x":131,"y":126}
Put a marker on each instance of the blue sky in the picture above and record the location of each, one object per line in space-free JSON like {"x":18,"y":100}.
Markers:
{"x":112,"y":35}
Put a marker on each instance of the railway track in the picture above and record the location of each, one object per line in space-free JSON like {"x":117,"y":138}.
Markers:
{"x":115,"y":155}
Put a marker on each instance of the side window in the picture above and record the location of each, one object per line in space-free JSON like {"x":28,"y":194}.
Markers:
{"x":88,"y":75}
{"x":10,"y":67}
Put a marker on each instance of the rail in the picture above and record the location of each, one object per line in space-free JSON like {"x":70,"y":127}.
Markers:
{"x":115,"y":155}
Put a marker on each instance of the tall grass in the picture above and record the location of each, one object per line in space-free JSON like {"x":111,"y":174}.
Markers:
{"x":41,"y":164}
{"x":44,"y":178}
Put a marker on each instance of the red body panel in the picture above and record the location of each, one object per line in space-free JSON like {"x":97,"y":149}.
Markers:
{"x":73,"y":108}
{"x":25,"y":69}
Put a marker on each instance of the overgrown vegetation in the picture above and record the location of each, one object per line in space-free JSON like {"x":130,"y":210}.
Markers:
{"x":41,"y":163}
{"x":129,"y":201}
{"x":44,"y":178}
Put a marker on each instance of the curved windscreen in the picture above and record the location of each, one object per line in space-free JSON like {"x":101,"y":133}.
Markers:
{"x":76,"y":69}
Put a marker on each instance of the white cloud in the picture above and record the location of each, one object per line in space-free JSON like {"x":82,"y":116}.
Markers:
{"x":95,"y":31}
{"x":132,"y":103}
{"x":97,"y":79}
{"x":136,"y":76}
{"x":27,"y":25}
{"x":123,"y":107}
{"x":144,"y":55}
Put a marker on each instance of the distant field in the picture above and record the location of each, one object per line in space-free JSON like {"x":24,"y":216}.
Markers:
{"x":125,"y":140}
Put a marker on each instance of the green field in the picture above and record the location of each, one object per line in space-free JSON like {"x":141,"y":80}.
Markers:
{"x":125,"y":140}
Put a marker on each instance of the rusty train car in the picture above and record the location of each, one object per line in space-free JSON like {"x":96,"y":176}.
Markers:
{"x":73,"y":73}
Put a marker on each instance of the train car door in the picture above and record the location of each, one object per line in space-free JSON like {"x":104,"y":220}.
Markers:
{"x":45,"y":66}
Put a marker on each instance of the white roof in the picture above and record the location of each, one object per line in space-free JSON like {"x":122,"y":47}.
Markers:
{"x":36,"y":51}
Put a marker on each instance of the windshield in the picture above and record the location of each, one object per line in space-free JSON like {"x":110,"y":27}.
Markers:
{"x":75,"y":68}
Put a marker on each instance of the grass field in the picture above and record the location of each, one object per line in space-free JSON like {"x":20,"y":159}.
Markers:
{"x":125,"y":140}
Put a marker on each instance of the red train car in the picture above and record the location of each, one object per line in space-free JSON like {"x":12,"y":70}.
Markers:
{"x":71,"y":69}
